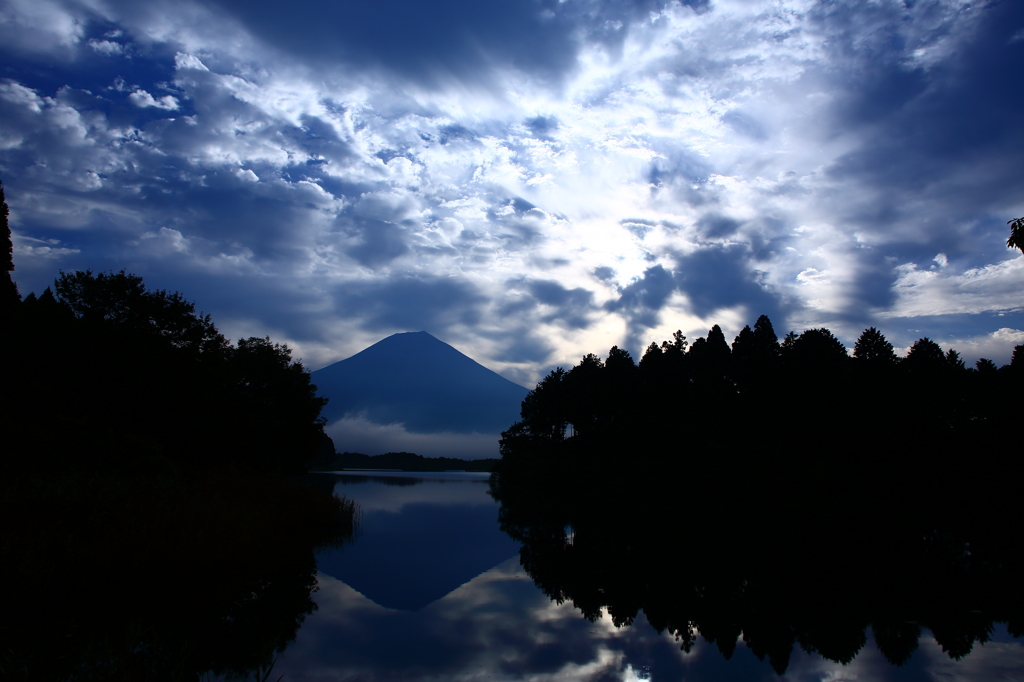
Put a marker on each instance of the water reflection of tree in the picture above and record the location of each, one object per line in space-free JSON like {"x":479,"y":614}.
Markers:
{"x":145,"y":530}
{"x":786,"y":492}
{"x":111,"y":576}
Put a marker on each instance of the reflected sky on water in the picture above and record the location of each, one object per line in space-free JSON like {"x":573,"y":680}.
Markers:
{"x":431,"y":588}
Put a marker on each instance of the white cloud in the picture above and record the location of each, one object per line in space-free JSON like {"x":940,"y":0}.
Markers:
{"x":358,"y":434}
{"x":41,"y":27}
{"x":107,"y":47}
{"x":743,"y":117}
{"x":996,"y":346}
{"x":143,"y":99}
{"x":988,"y":288}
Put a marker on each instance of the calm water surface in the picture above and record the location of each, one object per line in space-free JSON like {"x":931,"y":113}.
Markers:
{"x":431,"y":588}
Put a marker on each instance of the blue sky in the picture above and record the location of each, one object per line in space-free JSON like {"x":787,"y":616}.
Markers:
{"x":527,"y":180}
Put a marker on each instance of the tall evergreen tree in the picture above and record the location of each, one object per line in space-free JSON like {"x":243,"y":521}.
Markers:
{"x":819,"y":349}
{"x":873,"y":348}
{"x":9,"y":297}
{"x":925,"y":357}
{"x":743,"y":344}
{"x":764,"y":335}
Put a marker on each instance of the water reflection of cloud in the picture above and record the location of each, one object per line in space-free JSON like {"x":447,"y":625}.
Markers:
{"x":486,"y":629}
{"x":499,"y":626}
{"x":995,"y":660}
{"x":360,"y":434}
{"x":376,"y":496}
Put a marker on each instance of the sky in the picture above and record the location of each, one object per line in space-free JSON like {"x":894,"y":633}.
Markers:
{"x":527,"y":180}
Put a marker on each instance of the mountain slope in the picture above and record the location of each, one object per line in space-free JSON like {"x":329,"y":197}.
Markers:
{"x":422,"y":382}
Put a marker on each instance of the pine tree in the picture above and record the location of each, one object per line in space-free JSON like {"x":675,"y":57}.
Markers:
{"x":873,"y":348}
{"x":9,"y":297}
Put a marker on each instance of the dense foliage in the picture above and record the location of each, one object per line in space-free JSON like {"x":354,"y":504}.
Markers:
{"x":805,"y":397}
{"x":147,"y":530}
{"x":102,"y":372}
{"x":788,"y":492}
{"x":157,"y":576}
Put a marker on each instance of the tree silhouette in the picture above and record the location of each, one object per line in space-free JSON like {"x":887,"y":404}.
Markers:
{"x":925,"y":358}
{"x":744,"y":343}
{"x":818,"y":494}
{"x":144,"y":377}
{"x":820,"y":349}
{"x":543,"y":409}
{"x":276,"y":407}
{"x":985,"y":366}
{"x":1017,"y":360}
{"x":873,"y":348}
{"x":1016,"y":240}
{"x":9,"y":296}
{"x":584,"y":394}
{"x":122,"y":301}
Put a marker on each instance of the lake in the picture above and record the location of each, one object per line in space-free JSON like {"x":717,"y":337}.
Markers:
{"x":431,"y":588}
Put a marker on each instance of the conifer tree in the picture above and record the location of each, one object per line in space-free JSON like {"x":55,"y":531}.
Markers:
{"x":872,"y":347}
{"x":9,"y":297}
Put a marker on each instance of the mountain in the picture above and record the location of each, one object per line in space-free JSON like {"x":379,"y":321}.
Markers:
{"x":422,"y":382}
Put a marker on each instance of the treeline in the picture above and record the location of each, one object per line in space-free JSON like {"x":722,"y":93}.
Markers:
{"x":405,"y":461}
{"x":780,"y":567}
{"x":784,"y":491}
{"x":150,"y":523}
{"x":102,"y":372}
{"x":804,"y":395}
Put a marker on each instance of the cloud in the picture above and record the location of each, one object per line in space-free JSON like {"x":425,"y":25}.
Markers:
{"x":939,"y":291}
{"x":500,"y":626}
{"x":143,"y":99}
{"x":429,"y":304}
{"x":359,"y":434}
{"x":106,"y":47}
{"x":996,"y":346}
{"x":537,"y":180}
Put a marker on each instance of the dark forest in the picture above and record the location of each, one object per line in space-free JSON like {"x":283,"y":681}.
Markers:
{"x":782,"y":491}
{"x":153,"y":525}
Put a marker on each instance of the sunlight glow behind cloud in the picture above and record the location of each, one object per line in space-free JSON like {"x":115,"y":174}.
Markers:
{"x":576,"y":175}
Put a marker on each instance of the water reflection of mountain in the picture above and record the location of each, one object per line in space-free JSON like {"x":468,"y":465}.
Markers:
{"x":499,"y":626}
{"x":778,"y":565}
{"x":417,"y":545}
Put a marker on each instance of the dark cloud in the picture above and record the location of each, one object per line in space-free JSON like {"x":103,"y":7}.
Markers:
{"x":378,"y":242}
{"x":430,"y":304}
{"x":641,"y":302}
{"x":524,"y":346}
{"x":745,"y":125}
{"x":416,"y":39}
{"x":716,"y":278}
{"x":540,"y":126}
{"x":571,"y":308}
{"x":321,"y":139}
{"x":872,"y":288}
{"x":949,"y":134}
{"x":685,"y":175}
{"x":717,"y":226}
{"x":429,"y":42}
{"x":456,"y":133}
